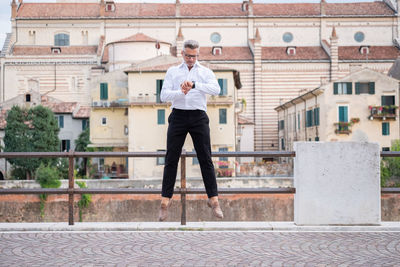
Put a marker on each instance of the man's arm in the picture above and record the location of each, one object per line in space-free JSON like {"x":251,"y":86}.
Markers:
{"x":167,"y":94}
{"x":210,"y":85}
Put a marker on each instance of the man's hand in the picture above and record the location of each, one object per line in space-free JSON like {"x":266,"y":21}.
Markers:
{"x":186,"y":86}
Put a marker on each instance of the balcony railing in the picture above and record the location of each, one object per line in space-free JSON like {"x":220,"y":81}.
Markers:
{"x":383,"y":112}
{"x":343,"y":127}
{"x":119,"y":103}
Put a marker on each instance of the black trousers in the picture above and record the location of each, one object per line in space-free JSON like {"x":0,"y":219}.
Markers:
{"x":194,"y":122}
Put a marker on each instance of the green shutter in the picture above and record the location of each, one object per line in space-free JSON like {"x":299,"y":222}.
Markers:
{"x":159,"y":84}
{"x":316,"y":116}
{"x":61,"y":121}
{"x":222,"y":116}
{"x":68,"y":145}
{"x":357,"y":88}
{"x":161,"y":116}
{"x":349,"y":88}
{"x":103,"y":91}
{"x":385,"y":128}
{"x":309,"y":118}
{"x":335,"y":88}
{"x":371,"y":88}
{"x":343,"y":116}
{"x":298,"y":121}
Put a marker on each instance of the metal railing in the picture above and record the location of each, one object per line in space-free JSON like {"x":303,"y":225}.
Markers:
{"x":183,"y":191}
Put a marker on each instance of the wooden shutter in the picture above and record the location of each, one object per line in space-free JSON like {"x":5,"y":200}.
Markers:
{"x":371,"y":88}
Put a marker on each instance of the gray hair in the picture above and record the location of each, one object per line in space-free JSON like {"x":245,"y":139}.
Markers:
{"x":192,"y":44}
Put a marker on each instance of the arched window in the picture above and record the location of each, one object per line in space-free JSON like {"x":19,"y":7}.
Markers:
{"x":61,"y":39}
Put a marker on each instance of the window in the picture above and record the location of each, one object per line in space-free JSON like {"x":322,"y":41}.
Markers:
{"x":342,"y":89}
{"x":215,"y":38}
{"x":309,"y":118}
{"x":223,"y":149}
{"x":101,"y":164}
{"x":281,"y":125}
{"x":316,"y":116}
{"x":27,"y":98}
{"x":60,"y":121}
{"x":103,"y":91}
{"x":343,"y":114}
{"x":126,"y":112}
{"x":159,"y":84}
{"x":291,"y":51}
{"x":387,"y":100}
{"x":282,"y":144}
{"x":161,"y":116}
{"x":161,"y":160}
{"x":316,"y":138}
{"x":287,"y":37}
{"x":385,"y":148}
{"x":385,"y":128}
{"x":65,"y":145}
{"x":223,"y":84}
{"x":222,"y":116}
{"x":359,"y":36}
{"x":195,"y":160}
{"x":61,"y":39}
{"x":85,"y":124}
{"x":103,"y":121}
{"x":217,"y":50}
{"x":365,"y":88}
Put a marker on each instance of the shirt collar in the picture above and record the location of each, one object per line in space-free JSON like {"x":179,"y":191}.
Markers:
{"x":183,"y":64}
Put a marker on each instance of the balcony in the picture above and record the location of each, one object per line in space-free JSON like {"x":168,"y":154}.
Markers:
{"x":220,"y":100}
{"x":343,"y":127}
{"x":119,"y":103}
{"x":146,"y":99}
{"x":382,"y":112}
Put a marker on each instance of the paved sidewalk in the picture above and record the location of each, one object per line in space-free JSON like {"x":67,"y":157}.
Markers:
{"x":199,"y":248}
{"x":199,"y":226}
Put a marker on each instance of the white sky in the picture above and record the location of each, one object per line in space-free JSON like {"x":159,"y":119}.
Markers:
{"x":5,"y":8}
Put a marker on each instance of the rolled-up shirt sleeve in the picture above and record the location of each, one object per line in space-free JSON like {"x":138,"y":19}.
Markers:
{"x":209,"y":84}
{"x":168,"y":94}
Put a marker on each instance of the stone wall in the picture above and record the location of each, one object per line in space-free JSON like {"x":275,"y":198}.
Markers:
{"x":131,"y":208}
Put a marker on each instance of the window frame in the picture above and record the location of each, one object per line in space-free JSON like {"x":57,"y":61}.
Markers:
{"x":58,"y":41}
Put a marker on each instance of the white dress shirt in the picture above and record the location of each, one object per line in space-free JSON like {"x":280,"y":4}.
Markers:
{"x":205,"y":83}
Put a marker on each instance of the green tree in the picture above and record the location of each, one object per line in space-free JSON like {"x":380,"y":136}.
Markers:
{"x":17,"y":138}
{"x":390,"y":166}
{"x":81,"y":144}
{"x":31,"y":130}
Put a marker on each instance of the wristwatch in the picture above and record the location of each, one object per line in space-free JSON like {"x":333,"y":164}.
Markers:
{"x":194,"y":85}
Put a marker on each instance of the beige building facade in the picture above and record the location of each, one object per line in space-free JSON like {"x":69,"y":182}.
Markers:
{"x":280,"y":49}
{"x":148,"y":117}
{"x":362,"y":106}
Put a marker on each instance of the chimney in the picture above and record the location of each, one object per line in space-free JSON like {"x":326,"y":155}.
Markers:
{"x":179,"y":43}
{"x":250,"y":8}
{"x":102,"y":8}
{"x":258,"y":37}
{"x":13,"y":9}
{"x":178,"y":8}
{"x":334,"y":55}
{"x":322,"y":7}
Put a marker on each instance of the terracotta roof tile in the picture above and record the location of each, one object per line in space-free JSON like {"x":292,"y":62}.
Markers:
{"x":358,"y":9}
{"x":132,"y":10}
{"x":82,"y":113}
{"x":244,"y":120}
{"x":46,"y":50}
{"x":228,"y":53}
{"x":283,"y":10}
{"x":211,"y":10}
{"x":139,"y":37}
{"x":63,"y":107}
{"x":302,"y":53}
{"x":375,"y":53}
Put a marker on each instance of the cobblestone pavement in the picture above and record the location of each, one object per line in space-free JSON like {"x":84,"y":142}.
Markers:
{"x":197,"y":248}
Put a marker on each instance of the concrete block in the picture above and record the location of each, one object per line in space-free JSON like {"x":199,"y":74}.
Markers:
{"x":337,"y":183}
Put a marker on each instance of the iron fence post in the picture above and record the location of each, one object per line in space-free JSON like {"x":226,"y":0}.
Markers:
{"x":71,"y":188}
{"x":183,"y":187}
